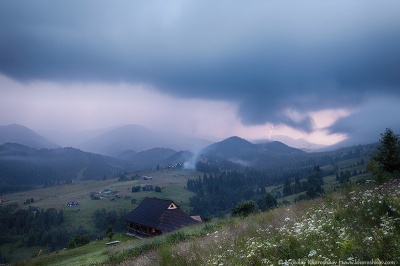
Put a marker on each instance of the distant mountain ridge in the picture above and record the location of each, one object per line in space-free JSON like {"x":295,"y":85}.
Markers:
{"x":15,"y":133}
{"x":147,"y":159}
{"x":143,"y":149}
{"x":279,"y":147}
{"x":138,"y":138}
{"x":22,"y":167}
{"x":236,"y":146}
{"x":116,"y":141}
{"x":237,"y":150}
{"x":299,"y":143}
{"x":230,"y":147}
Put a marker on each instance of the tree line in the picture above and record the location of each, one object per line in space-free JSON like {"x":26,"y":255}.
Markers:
{"x":104,"y":219}
{"x":47,"y":228}
{"x":32,"y":226}
{"x":312,"y":185}
{"x":217,"y":194}
{"x":24,"y":168}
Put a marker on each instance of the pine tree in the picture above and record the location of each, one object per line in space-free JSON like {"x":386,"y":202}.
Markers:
{"x":267,"y":202}
{"x":110,"y":232}
{"x":287,"y":190}
{"x":388,"y":156}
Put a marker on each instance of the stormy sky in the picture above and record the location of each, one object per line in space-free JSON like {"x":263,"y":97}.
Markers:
{"x":325,"y":71}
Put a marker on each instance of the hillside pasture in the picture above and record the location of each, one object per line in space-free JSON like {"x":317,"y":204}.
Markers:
{"x":59,"y":196}
{"x":346,"y":226}
{"x":172,"y":182}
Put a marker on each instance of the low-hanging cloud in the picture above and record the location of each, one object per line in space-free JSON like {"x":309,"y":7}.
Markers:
{"x":272,"y":58}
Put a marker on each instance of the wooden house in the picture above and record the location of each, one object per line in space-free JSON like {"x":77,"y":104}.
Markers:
{"x":72,"y":204}
{"x":155,"y":217}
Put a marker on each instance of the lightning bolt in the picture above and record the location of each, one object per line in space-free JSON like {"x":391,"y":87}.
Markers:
{"x":270,"y":132}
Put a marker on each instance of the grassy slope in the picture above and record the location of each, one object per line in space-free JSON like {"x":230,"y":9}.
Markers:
{"x":356,"y":223}
{"x":58,"y":197}
{"x":171,"y":181}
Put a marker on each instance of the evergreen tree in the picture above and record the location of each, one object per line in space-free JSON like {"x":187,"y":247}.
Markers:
{"x":388,"y":156}
{"x":287,"y":190}
{"x":311,"y":192}
{"x":267,"y":202}
{"x":344,"y":177}
{"x":110,"y":232}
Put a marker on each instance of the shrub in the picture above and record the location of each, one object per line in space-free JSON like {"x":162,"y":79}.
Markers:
{"x":78,"y":241}
{"x":244,"y":208}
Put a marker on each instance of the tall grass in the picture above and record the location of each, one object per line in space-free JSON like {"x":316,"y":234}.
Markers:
{"x":360,"y":224}
{"x":357,"y":225}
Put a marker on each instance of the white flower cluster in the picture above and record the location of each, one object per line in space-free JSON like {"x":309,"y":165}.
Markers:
{"x":360,"y":225}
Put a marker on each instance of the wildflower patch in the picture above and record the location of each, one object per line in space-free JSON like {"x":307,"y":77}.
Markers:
{"x":355,"y":227}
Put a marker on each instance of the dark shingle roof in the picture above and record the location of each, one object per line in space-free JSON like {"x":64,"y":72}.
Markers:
{"x":153,"y":212}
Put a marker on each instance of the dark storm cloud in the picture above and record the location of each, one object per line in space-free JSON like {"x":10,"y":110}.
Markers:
{"x":269,"y":56}
{"x":366,"y":125}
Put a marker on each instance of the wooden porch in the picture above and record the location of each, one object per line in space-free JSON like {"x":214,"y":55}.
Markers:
{"x":141,"y":231}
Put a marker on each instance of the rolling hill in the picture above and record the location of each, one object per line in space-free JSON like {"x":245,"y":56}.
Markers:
{"x":22,"y":167}
{"x":15,"y":133}
{"x":237,"y":147}
{"x":233,"y":147}
{"x":262,"y":156}
{"x":301,"y":144}
{"x":138,"y":138}
{"x":147,"y":159}
{"x":278,"y":147}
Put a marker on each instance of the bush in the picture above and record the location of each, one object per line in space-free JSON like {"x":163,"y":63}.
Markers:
{"x":78,"y":241}
{"x":244,"y":208}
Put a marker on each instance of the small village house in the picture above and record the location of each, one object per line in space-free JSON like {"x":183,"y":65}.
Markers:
{"x":73,"y":204}
{"x":107,"y":191}
{"x":155,"y":217}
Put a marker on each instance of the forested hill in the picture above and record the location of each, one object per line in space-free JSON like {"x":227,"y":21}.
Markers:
{"x":23,"y":168}
{"x":236,"y":153}
{"x":240,"y":152}
{"x":235,"y":146}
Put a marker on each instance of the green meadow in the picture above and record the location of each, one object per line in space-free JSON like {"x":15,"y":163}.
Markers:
{"x":353,"y":225}
{"x":172,"y":183}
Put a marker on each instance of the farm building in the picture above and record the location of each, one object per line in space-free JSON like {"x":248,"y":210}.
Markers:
{"x":155,"y":217}
{"x":73,"y":204}
{"x":106,"y":191}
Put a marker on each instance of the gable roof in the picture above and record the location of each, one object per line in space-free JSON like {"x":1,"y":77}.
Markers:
{"x":160,"y":214}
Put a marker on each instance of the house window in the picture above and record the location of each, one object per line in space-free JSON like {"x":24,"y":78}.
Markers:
{"x":172,"y":206}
